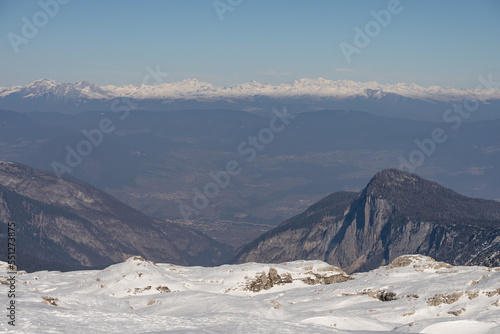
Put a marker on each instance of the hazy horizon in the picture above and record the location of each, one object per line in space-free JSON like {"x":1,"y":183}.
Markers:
{"x":447,"y":44}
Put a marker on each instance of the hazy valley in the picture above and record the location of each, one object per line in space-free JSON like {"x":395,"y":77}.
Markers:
{"x":154,"y":161}
{"x":232,"y":166}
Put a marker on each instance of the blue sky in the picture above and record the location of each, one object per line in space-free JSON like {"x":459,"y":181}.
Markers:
{"x":447,"y":43}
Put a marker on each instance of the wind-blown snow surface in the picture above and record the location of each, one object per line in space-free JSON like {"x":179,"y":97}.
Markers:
{"x":139,"y":296}
{"x":192,"y":89}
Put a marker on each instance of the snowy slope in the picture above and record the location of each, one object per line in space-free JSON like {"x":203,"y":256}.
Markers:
{"x":193,"y":89}
{"x":139,"y":296}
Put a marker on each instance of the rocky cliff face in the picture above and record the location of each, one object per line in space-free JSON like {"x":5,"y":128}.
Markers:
{"x":67,"y":224}
{"x":397,"y":213}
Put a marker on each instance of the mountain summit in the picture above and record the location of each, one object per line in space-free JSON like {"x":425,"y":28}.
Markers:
{"x":413,"y":196}
{"x":397,"y":213}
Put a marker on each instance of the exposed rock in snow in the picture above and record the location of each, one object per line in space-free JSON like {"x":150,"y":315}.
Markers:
{"x":413,"y":294}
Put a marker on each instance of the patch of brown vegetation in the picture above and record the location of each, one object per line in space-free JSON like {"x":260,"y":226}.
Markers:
{"x":386,"y":296}
{"x":412,"y":296}
{"x":276,"y":305}
{"x":382,"y":295}
{"x":324,"y":280}
{"x":406,"y":260}
{"x":401,"y":261}
{"x":349,"y":294}
{"x":367,"y":292}
{"x":140,"y":290}
{"x":457,"y":312}
{"x":409,"y":313}
{"x":441,"y":298}
{"x":434,"y":265}
{"x":162,"y":289}
{"x":472,"y":294}
{"x":266,"y":282}
{"x":50,"y":300}
{"x":479,"y":280}
{"x":492,"y":293}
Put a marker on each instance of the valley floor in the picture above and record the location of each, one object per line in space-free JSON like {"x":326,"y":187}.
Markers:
{"x":414,"y":294}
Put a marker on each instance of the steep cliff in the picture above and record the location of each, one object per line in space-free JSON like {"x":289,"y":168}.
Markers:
{"x":397,"y":213}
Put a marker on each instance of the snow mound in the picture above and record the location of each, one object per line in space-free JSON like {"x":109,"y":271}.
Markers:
{"x":413,"y":294}
{"x":419,"y":262}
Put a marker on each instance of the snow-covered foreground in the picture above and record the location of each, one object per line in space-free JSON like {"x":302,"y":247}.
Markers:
{"x":413,"y":294}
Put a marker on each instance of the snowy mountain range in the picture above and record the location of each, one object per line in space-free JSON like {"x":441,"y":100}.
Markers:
{"x":197,"y":90}
{"x":414,"y":294}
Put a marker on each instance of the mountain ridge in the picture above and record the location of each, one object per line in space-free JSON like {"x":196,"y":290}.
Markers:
{"x":57,"y":219}
{"x":194,"y":89}
{"x":386,"y":184}
{"x":371,"y":228}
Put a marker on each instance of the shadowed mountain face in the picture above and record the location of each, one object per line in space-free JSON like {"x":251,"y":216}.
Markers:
{"x":153,"y":161}
{"x":397,"y":213}
{"x":67,"y":224}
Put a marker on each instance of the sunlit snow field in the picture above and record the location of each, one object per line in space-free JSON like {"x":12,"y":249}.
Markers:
{"x":138,"y":296}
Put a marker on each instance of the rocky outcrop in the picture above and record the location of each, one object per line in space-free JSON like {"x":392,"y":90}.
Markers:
{"x":265,"y":281}
{"x":397,"y":213}
{"x":63,"y":223}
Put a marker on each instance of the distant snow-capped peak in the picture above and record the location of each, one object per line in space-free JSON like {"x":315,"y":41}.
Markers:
{"x":62,"y":91}
{"x":197,"y":90}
